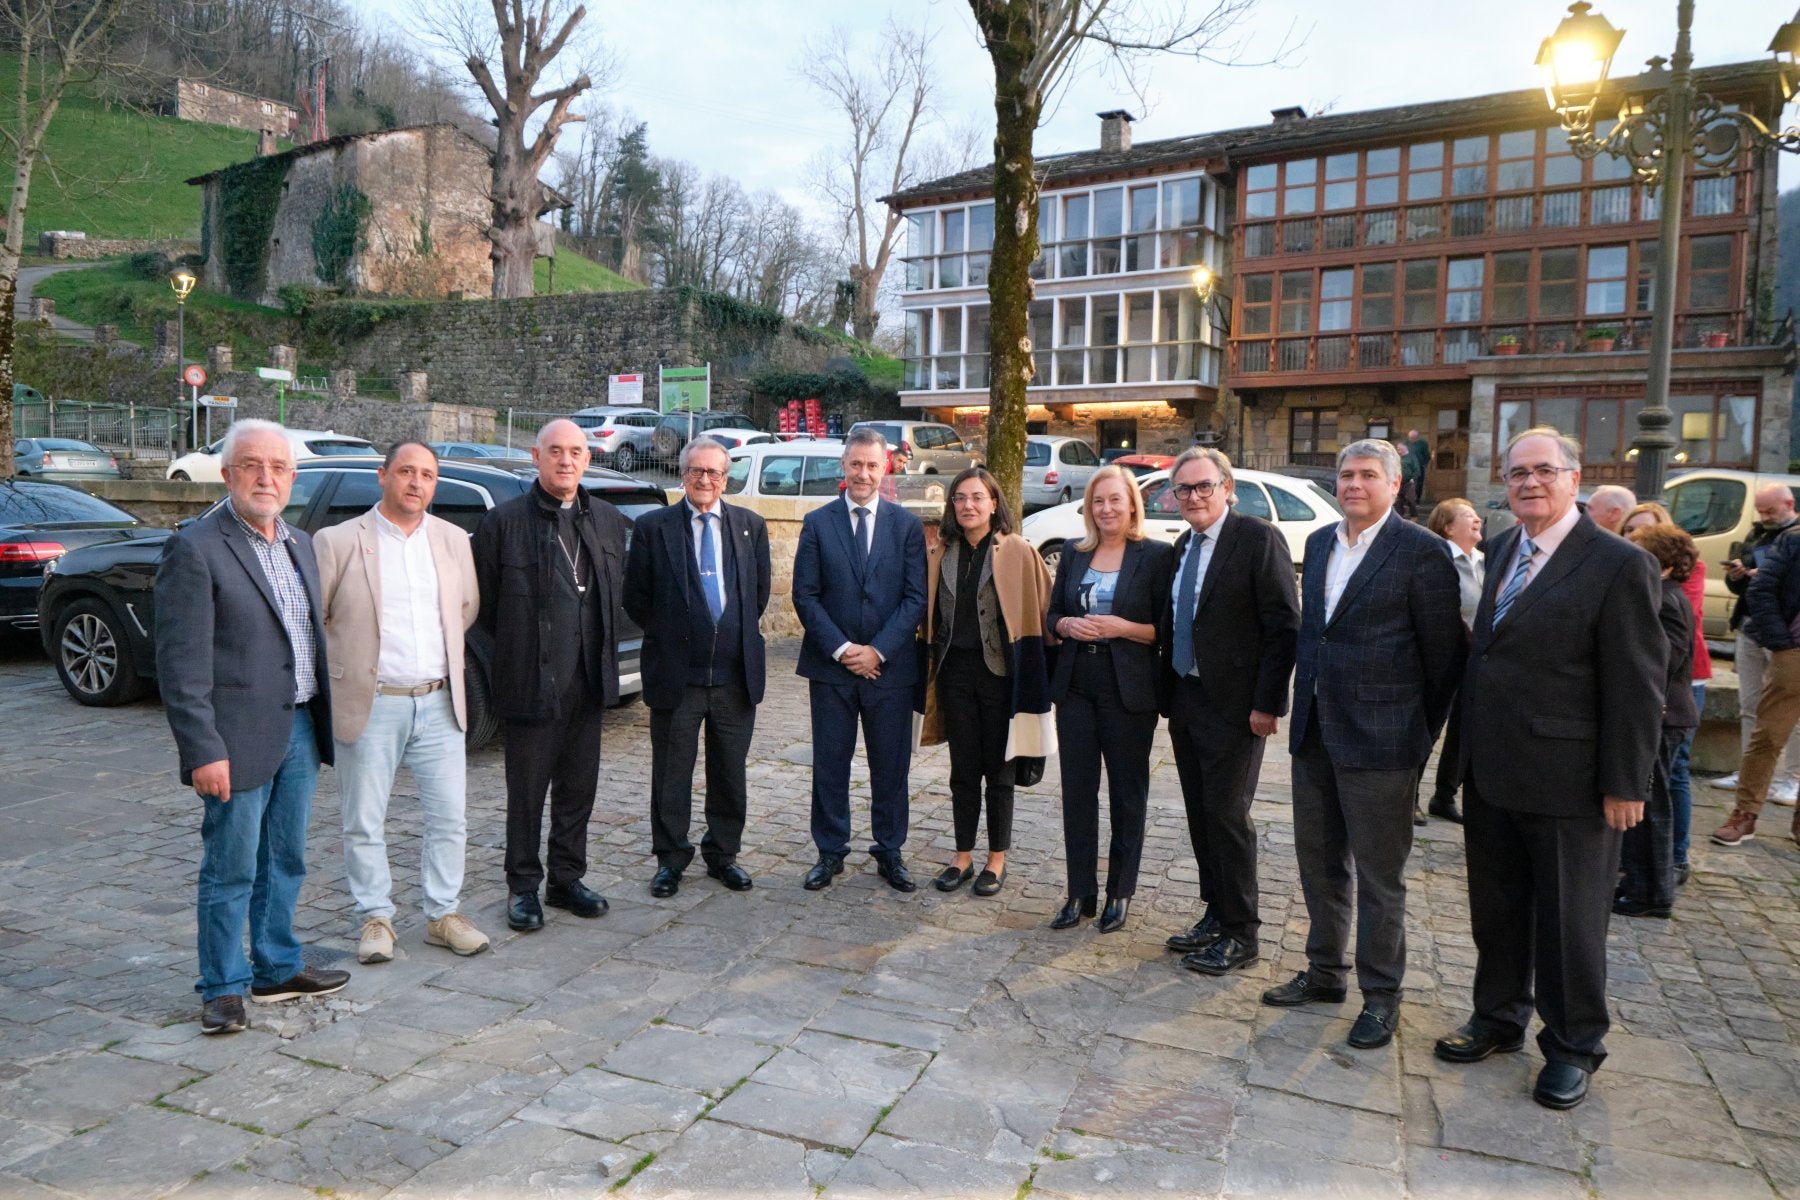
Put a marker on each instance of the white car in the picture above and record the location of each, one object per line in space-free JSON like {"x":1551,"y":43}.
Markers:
{"x":202,"y":466}
{"x":737,"y":439}
{"x":1057,"y":470}
{"x":1295,"y":506}
{"x":788,"y":470}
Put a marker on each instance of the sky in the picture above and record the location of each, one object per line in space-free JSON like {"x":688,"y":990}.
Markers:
{"x":716,"y":79}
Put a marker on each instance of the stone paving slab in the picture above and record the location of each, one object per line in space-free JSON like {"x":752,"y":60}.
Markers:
{"x":845,"y":1043}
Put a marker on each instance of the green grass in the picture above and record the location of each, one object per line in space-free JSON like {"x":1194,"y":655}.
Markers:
{"x":110,"y":293}
{"x":115,"y":173}
{"x":577,"y":274}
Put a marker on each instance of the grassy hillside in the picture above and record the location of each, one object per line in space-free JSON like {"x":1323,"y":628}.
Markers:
{"x":577,"y":274}
{"x":110,"y":293}
{"x":116,"y":173}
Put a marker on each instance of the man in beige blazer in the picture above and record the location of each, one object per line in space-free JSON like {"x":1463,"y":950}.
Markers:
{"x":400,"y":592}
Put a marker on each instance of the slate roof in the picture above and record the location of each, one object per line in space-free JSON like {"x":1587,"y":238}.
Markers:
{"x":1231,"y":148}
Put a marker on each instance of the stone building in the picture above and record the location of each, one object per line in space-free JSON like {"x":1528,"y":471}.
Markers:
{"x":210,"y":104}
{"x":396,"y":212}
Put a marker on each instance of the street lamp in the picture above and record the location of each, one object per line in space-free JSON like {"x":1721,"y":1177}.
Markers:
{"x":1656,"y":132}
{"x":183,"y":282}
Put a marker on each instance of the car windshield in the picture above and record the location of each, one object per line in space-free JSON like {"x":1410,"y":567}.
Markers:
{"x":1037,"y":454}
{"x":49,"y":504}
{"x":321,"y":448}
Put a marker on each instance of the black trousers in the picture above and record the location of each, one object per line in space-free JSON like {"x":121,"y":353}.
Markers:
{"x":1215,"y":759}
{"x":1648,"y":854}
{"x":730,"y":720}
{"x":973,"y":702}
{"x":1092,"y":727}
{"x":1540,"y":898}
{"x":1444,"y":787}
{"x":561,"y":758}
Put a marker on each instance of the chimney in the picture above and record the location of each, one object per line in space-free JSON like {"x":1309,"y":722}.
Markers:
{"x":265,"y":143}
{"x":1115,"y":131}
{"x":1286,"y":116}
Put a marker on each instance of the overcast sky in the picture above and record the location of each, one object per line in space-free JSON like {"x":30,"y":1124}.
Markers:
{"x":715,"y":79}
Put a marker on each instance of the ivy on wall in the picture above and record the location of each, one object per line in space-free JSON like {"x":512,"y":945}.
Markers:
{"x":339,"y":231}
{"x":249,"y":194}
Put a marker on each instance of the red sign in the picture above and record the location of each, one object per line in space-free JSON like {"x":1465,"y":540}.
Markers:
{"x":194,"y":375}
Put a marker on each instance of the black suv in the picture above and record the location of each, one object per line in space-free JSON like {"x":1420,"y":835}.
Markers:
{"x":96,"y":614}
{"x":677,"y":429}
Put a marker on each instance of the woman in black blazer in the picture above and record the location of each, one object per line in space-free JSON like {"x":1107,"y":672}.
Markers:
{"x":1106,"y":606}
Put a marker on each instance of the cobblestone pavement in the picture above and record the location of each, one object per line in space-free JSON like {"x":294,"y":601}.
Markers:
{"x":850,"y":1042}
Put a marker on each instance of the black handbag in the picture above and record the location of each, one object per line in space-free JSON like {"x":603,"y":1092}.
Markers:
{"x":1028,"y":772}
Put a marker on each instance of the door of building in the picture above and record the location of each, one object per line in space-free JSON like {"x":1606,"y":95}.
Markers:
{"x":1448,"y":474}
{"x":1116,"y":435}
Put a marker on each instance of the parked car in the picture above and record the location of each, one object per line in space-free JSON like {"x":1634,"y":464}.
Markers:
{"x":1295,"y":506}
{"x":96,"y":614}
{"x":1718,"y":507}
{"x":39,"y":523}
{"x":676,"y":429}
{"x":62,"y":458}
{"x":936,"y":449}
{"x":202,"y":466}
{"x":788,"y":470}
{"x":622,"y":437}
{"x":479,"y":451}
{"x":1056,"y":470}
{"x":1142,"y":464}
{"x":733,"y":439}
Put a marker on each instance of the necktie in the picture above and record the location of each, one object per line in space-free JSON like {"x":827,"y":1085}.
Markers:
{"x":1516,"y":582}
{"x":709,"y":567}
{"x":862,"y":534}
{"x":1184,"y":606}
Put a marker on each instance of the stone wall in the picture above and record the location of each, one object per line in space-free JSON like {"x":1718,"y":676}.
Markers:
{"x":59,"y":244}
{"x":210,"y":104}
{"x":381,"y":421}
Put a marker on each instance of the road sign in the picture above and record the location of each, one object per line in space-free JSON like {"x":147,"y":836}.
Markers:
{"x":218,"y":402}
{"x":194,"y":375}
{"x":278,"y":374}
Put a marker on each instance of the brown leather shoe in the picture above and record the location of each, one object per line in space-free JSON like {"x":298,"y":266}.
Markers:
{"x":1738,"y":828}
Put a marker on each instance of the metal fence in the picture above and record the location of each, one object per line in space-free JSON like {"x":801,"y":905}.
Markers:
{"x":140,"y":430}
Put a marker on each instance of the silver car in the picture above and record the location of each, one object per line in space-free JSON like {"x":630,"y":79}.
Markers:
{"x":619,"y":437}
{"x":1057,"y":469}
{"x":936,"y":448}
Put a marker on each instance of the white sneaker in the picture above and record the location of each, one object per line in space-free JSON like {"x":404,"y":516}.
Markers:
{"x":1725,"y":783}
{"x":1784,"y":791}
{"x":377,"y":942}
{"x":456,"y":933}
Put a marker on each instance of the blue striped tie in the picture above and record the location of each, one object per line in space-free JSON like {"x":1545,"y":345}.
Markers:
{"x":1516,"y":583}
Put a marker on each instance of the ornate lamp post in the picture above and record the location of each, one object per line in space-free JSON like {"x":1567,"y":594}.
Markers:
{"x":183,"y":282}
{"x":1657,"y":132}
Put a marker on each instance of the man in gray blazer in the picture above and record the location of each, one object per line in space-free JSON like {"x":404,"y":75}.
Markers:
{"x":241,"y":657}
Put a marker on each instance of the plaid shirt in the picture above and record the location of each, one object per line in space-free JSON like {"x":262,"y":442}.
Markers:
{"x":290,"y":597}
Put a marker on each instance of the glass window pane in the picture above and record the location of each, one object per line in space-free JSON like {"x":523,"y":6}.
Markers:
{"x":1520,"y":143}
{"x":1071,"y":326}
{"x":1181,"y":203}
{"x":919,"y":228}
{"x":1340,"y":195}
{"x":1425,"y":154}
{"x":953,"y":230}
{"x":824,"y":473}
{"x":1383,"y":190}
{"x":1425,"y":185}
{"x":1710,"y":253}
{"x":1424,"y":224}
{"x":1260,"y":176}
{"x":1714,"y":195}
{"x":1340,"y":166}
{"x":1259,"y":204}
{"x":1301,"y":199}
{"x":1513,"y":267}
{"x":1516,"y":175}
{"x":981,"y":227}
{"x":1075,"y":217}
{"x":1302,"y":170}
{"x":1380,"y":228}
{"x":780,"y":476}
{"x":1384,"y":162}
{"x":1109,"y":211}
{"x":1562,"y":210}
{"x":1606,"y":262}
{"x":1143,"y":208}
{"x":1259,"y":289}
{"x":1259,"y":240}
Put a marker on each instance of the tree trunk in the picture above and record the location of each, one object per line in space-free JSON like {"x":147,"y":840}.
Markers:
{"x":8,"y":287}
{"x":514,"y":248}
{"x":863,"y":317}
{"x":1016,"y":113}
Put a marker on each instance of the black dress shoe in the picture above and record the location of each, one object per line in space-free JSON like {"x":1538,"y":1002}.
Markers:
{"x":1222,"y":957}
{"x":309,"y":981}
{"x":1073,"y":909}
{"x":1560,"y":1085}
{"x":1112,"y":917}
{"x":1373,"y":1028}
{"x":223,"y":1014}
{"x":1205,"y":932}
{"x":893,"y":869}
{"x":1418,"y":814}
{"x":576,"y":897}
{"x":1302,"y":989}
{"x":665,"y":883}
{"x":1681,"y":874}
{"x":822,"y":872}
{"x":988,"y":884}
{"x":1474,"y":1042}
{"x":951,"y":878}
{"x":732,"y":876}
{"x":1626,"y":907}
{"x":1444,"y":808}
{"x":524,"y":913}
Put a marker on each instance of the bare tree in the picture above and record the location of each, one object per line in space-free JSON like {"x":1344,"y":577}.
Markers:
{"x":508,"y":49}
{"x":59,"y":42}
{"x":1033,"y":45}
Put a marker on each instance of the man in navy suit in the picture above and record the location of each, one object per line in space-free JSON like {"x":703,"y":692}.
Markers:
{"x":1381,"y":651}
{"x":697,"y":581}
{"x":859,"y":587}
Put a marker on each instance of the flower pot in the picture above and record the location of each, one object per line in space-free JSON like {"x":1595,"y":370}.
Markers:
{"x":1717,"y":341}
{"x":1505,"y":348}
{"x":1600,"y":345}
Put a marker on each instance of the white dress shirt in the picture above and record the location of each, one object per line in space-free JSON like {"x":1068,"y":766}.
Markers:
{"x":1346,"y":556}
{"x":1471,"y":571}
{"x":1545,"y":544}
{"x":868,"y":532}
{"x":716,"y":534}
{"x":412,"y":627}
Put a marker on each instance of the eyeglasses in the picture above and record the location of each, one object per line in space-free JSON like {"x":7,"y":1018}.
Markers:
{"x":279,"y":470}
{"x":1187,"y":491}
{"x":705,"y":474}
{"x":1544,"y":473}
{"x":968,"y":497}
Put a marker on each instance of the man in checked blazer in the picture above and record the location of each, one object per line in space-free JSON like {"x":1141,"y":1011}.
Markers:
{"x":1562,"y":711}
{"x":1381,"y":650}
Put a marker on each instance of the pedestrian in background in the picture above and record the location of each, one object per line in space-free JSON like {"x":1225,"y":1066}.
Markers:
{"x":1774,"y":517}
{"x":1647,"y":878}
{"x":400,"y":593}
{"x":1773,"y":601}
{"x":551,"y":564}
{"x":1681,"y":793}
{"x":1106,"y":606}
{"x":245,"y":685}
{"x":988,"y":693}
{"x":1457,"y":522}
{"x":1608,"y":505}
{"x":697,"y":581}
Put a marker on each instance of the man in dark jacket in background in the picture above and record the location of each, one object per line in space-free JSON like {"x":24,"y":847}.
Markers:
{"x":1774,"y":517}
{"x":1773,"y":605}
{"x":551,"y":566}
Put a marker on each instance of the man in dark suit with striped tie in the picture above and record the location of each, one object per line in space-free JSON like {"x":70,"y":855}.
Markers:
{"x":1562,"y":712}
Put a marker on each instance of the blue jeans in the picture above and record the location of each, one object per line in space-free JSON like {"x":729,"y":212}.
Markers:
{"x":1681,"y":792}
{"x":252,"y":868}
{"x":421,"y":733}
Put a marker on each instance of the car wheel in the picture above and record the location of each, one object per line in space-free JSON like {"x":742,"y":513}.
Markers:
{"x":1051,"y":553}
{"x":181,"y":477}
{"x":625,"y":460}
{"x":1066,"y":496}
{"x":483,"y":723}
{"x":94,"y":658}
